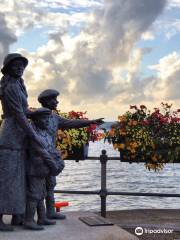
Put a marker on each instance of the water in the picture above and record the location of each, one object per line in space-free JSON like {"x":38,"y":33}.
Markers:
{"x":85,"y":175}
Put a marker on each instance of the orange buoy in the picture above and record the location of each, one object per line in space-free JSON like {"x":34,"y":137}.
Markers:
{"x":59,"y":205}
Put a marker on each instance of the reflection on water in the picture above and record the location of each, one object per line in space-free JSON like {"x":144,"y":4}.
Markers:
{"x":85,"y":175}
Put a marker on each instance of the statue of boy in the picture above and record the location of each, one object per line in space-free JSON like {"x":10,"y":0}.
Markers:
{"x":37,"y":169}
{"x":48,"y":99}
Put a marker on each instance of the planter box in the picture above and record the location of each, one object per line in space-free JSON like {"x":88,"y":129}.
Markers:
{"x":79,"y":153}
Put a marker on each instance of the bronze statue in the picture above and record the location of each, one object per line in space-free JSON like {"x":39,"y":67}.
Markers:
{"x":48,"y":99}
{"x":38,"y":169}
{"x":14,"y":132}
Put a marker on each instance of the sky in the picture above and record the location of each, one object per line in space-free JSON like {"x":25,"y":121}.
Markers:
{"x":101,"y":55}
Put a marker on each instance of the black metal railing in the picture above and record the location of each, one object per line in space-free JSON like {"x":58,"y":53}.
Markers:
{"x":103,"y":192}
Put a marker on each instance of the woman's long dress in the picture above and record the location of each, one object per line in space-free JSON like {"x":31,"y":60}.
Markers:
{"x":13,"y":149}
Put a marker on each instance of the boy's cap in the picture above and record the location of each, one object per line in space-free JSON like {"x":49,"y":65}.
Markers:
{"x":40,"y":112}
{"x":47,"y":93}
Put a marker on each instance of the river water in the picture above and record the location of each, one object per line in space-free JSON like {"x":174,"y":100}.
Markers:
{"x":85,"y":175}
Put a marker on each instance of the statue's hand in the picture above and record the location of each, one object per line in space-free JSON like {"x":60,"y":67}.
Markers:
{"x":98,"y":121}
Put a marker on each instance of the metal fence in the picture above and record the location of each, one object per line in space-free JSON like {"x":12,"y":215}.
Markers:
{"x":103,"y":192}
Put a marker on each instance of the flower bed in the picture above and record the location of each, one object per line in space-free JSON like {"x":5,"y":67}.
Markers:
{"x":144,"y":136}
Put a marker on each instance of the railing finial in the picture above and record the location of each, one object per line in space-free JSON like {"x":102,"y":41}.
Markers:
{"x":103,"y":152}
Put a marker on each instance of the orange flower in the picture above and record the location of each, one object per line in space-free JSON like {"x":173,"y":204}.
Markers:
{"x":154,"y":158}
{"x":115,"y":146}
{"x":130,"y":122}
{"x":122,"y":118}
{"x":133,"y":150}
{"x":122,"y":132}
{"x":101,"y":136}
{"x":153,"y":145}
{"x":134,"y":123}
{"x":121,"y":146}
{"x":112,"y":132}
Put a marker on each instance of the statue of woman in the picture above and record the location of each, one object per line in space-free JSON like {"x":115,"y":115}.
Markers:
{"x":14,"y":132}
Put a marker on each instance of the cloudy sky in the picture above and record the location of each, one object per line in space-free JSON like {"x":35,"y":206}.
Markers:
{"x":102,"y":55}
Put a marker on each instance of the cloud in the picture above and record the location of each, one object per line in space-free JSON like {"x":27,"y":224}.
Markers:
{"x":167,"y":27}
{"x":167,"y":65}
{"x":172,"y":28}
{"x":174,"y":3}
{"x":69,"y":4}
{"x":168,"y":83}
{"x":148,"y":36}
{"x":169,"y":24}
{"x":107,"y":43}
{"x":86,"y":71}
{"x":98,"y":66}
{"x":23,"y":15}
{"x":17,"y":17}
{"x":7,"y":37}
{"x":173,"y":83}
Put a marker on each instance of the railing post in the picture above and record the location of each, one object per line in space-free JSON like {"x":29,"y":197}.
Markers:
{"x":103,"y":191}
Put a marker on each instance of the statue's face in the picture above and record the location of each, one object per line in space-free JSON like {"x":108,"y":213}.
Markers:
{"x":50,"y":103}
{"x":16,"y":68}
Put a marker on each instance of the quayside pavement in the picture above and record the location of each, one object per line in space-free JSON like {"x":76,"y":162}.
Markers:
{"x":70,"y":229}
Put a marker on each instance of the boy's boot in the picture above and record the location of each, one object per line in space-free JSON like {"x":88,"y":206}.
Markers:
{"x":50,"y":211}
{"x":29,"y":222}
{"x":17,"y":219}
{"x":41,"y":212}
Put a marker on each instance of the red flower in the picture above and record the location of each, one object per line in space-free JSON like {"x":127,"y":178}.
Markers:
{"x":175,"y":120}
{"x":163,"y":120}
{"x":93,"y":126}
{"x":77,"y":115}
{"x":145,"y":122}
